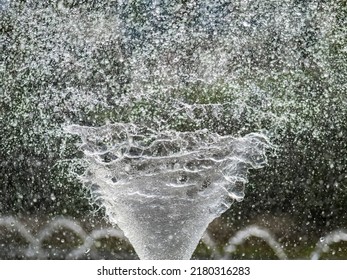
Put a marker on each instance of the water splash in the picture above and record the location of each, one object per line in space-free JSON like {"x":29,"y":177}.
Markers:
{"x":163,"y":188}
{"x":164,"y":71}
{"x":35,"y":240}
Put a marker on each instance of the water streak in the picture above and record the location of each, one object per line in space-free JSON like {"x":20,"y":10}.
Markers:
{"x":323,"y":244}
{"x":253,"y":230}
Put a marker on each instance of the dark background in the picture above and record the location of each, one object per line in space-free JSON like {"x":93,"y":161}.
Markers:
{"x":300,"y":196}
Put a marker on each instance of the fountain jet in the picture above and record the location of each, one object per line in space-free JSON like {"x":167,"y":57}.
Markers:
{"x":164,"y":188}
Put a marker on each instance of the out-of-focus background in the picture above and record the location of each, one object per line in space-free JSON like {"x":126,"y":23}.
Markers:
{"x":284,"y":73}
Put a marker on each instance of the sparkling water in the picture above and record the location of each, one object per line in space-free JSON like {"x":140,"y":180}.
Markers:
{"x":164,"y":188}
{"x":169,"y":100}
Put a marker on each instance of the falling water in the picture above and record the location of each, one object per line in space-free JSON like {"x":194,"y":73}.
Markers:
{"x":172,"y":102}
